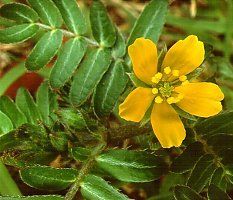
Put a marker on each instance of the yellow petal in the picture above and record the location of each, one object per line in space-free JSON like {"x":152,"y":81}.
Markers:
{"x":136,"y":104}
{"x":143,"y":54}
{"x":167,"y":125}
{"x":185,"y":55}
{"x":200,"y":99}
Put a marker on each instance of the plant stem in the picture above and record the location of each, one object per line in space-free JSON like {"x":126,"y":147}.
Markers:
{"x":7,"y":184}
{"x":69,"y":34}
{"x":84,"y":171}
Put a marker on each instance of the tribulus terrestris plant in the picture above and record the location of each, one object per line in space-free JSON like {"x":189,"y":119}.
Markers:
{"x":115,"y":111}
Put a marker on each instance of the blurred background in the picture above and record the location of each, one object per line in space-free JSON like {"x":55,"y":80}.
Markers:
{"x":210,"y":20}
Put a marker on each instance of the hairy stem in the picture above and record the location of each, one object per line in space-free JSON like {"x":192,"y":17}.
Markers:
{"x":84,"y":171}
{"x":68,"y":34}
{"x":7,"y":184}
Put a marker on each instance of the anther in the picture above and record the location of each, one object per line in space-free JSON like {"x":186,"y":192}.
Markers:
{"x":175,"y":73}
{"x":183,"y":78}
{"x":185,"y":82}
{"x":157,"y":77}
{"x":155,"y":91}
{"x":170,"y":100}
{"x":167,"y":70}
{"x":158,"y":99}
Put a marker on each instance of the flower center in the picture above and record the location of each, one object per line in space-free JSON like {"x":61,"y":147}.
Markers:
{"x":164,"y":89}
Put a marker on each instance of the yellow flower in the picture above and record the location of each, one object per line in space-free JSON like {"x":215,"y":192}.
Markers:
{"x":167,"y":85}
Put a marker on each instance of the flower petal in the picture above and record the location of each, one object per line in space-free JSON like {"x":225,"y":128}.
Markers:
{"x":200,"y":99}
{"x":167,"y":125}
{"x":136,"y":104}
{"x":143,"y":54}
{"x":185,"y":55}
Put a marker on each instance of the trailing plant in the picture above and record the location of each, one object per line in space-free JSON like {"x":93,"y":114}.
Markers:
{"x":70,"y":137}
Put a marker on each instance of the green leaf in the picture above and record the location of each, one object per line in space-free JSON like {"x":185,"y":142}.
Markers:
{"x":188,"y":158}
{"x":35,"y":197}
{"x":73,"y":118}
{"x":168,"y":183}
{"x":136,"y":81}
{"x":119,"y":49}
{"x":26,"y":104}
{"x":221,"y":123}
{"x":48,"y":178}
{"x":80,"y":153}
{"x":215,"y":193}
{"x":5,"y":124}
{"x":7,"y":22}
{"x":72,"y":15}
{"x":47,"y":102}
{"x":18,"y":12}
{"x":219,"y":178}
{"x":183,"y":192}
{"x":220,"y":142}
{"x":8,"y":107}
{"x":89,"y":75}
{"x":26,"y":137}
{"x":48,"y":12}
{"x":18,"y":33}
{"x":68,"y":60}
{"x":110,"y":88}
{"x":11,"y":76}
{"x":226,"y":156}
{"x":96,"y":188}
{"x":59,"y":140}
{"x":45,"y":50}
{"x":150,"y":23}
{"x":102,"y":28}
{"x":131,"y":166}
{"x":202,"y":172}
{"x":229,"y":173}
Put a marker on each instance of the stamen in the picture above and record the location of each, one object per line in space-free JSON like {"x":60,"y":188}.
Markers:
{"x":167,"y":70}
{"x":158,"y":99}
{"x":175,"y":73}
{"x":157,"y":77}
{"x":171,"y":100}
{"x":185,"y":82}
{"x":155,"y":91}
{"x":183,"y":78}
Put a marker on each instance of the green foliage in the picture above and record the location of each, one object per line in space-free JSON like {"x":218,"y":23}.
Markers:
{"x":18,"y":33}
{"x":72,"y":16}
{"x":182,"y":192}
{"x":73,"y":122}
{"x":47,"y":11}
{"x":94,"y":187}
{"x":102,"y":28}
{"x":149,"y":24}
{"x":6,"y":125}
{"x":131,"y":166}
{"x":89,"y":75}
{"x":110,"y":88}
{"x":18,"y":12}
{"x":48,"y":178}
{"x":36,"y":197}
{"x":67,"y":61}
{"x":45,"y":50}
